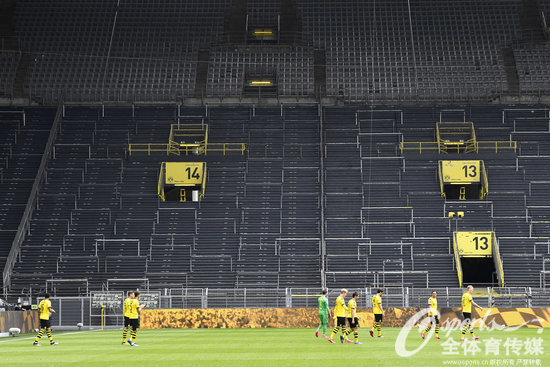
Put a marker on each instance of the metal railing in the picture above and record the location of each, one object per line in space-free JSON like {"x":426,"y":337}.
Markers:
{"x":457,"y":261}
{"x":431,"y":146}
{"x":498,"y":261}
{"x":149,"y":148}
{"x":24,"y":225}
{"x":226,"y":147}
{"x":419,"y":146}
{"x":485,"y":181}
{"x":165,"y":148}
{"x":87,"y":309}
{"x":497,"y":146}
{"x":160,"y":188}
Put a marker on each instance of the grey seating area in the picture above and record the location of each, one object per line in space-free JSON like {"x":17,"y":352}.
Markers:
{"x":363,"y":57}
{"x":281,"y":205}
{"x":432,"y":49}
{"x":65,"y":27}
{"x":23,"y":135}
{"x":533,"y":68}
{"x":8,"y":66}
{"x":376,"y":196}
{"x":167,"y":29}
{"x":471,"y":46}
{"x":138,"y":51}
{"x":96,"y":78}
{"x":510,"y":209}
{"x":99,"y":217}
{"x":263,"y":13}
{"x":379,"y":51}
{"x":292,"y":67}
{"x":304,"y":178}
{"x":69,"y":47}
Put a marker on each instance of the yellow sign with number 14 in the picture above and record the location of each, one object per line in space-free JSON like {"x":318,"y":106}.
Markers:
{"x":184,"y":173}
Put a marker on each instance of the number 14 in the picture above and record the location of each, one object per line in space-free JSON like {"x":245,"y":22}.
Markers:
{"x":190,"y":175}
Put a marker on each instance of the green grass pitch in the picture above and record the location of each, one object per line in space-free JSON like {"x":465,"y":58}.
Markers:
{"x":259,"y":347}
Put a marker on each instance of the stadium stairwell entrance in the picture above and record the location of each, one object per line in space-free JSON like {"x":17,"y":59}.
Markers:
{"x":477,"y":258}
{"x":479,"y":271}
{"x":463,"y":180}
{"x":182,"y":181}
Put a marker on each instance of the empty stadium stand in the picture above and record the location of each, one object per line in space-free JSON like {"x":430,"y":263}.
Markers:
{"x":291,"y":66}
{"x":395,"y":50}
{"x":533,"y":68}
{"x":374,"y":51}
{"x":8,"y":67}
{"x":320,"y":196}
{"x":340,"y":115}
{"x":111,"y":51}
{"x":23,"y":135}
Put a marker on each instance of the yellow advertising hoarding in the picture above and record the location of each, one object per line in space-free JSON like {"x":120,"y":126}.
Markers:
{"x":460,"y":172}
{"x":308,"y":317}
{"x":184,"y":173}
{"x":474,"y":244}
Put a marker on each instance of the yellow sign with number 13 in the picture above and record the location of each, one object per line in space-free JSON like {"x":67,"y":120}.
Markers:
{"x":460,"y":172}
{"x":474,"y":244}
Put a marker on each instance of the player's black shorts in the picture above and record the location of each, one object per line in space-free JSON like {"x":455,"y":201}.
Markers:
{"x":353,"y":322}
{"x":133,"y":323}
{"x":467,"y":315}
{"x":434,"y":319}
{"x":45,"y":324}
{"x":341,"y":321}
{"x":378,"y":317}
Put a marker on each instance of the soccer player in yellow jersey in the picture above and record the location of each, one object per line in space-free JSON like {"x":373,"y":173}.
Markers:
{"x":353,"y":319}
{"x":433,"y":314}
{"x":139,"y":308}
{"x":378,"y":311}
{"x":467,"y":303}
{"x":340,"y":316}
{"x":128,"y":308}
{"x":45,"y":309}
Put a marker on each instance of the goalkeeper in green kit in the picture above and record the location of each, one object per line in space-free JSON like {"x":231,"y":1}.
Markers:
{"x":324,"y":314}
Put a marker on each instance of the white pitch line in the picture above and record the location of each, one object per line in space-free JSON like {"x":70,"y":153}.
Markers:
{"x":12,"y":339}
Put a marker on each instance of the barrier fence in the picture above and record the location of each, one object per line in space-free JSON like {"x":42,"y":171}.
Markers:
{"x":104,"y":308}
{"x":307,"y":317}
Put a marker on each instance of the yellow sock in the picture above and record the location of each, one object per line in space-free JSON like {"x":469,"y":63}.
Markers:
{"x":356,"y":336}
{"x":40,"y":333}
{"x":464,"y":329}
{"x":334,"y":332}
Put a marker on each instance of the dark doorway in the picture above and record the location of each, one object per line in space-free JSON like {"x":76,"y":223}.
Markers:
{"x":478,"y":271}
{"x":462,"y":192}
